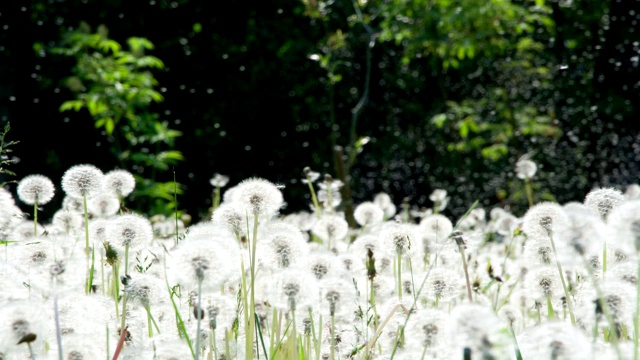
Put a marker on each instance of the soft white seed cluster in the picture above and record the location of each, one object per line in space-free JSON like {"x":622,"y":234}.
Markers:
{"x":486,"y":286}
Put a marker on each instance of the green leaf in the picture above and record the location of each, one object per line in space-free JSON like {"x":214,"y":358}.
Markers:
{"x":439,"y":120}
{"x":76,"y":105}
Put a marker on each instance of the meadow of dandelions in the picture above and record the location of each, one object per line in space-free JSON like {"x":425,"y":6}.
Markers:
{"x":253,"y":281}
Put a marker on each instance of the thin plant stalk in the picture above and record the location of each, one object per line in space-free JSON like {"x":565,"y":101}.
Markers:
{"x":86,"y":225}
{"x":333,"y":336}
{"x":123,"y":335}
{"x":527,"y":188}
{"x":314,"y":197}
{"x":252,"y":304}
{"x":32,"y":356}
{"x":182,"y":331}
{"x":124,"y":310}
{"x":605,"y":308}
{"x":636,"y":318}
{"x":399,"y":275}
{"x":564,"y":284}
{"x":424,"y":281}
{"x":175,"y":199}
{"x":56,"y":315}
{"x":35,"y":217}
{"x":116,"y":287}
{"x":199,"y":316}
{"x":466,"y":272}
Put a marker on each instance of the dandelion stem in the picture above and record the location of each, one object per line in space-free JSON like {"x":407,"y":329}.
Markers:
{"x":35,"y":218}
{"x":123,"y":336}
{"x":605,"y":307}
{"x":564,"y":284}
{"x":86,"y":225}
{"x":31,"y":354}
{"x":333,"y":336}
{"x":636,"y":318}
{"x":199,"y":315}
{"x":527,"y":188}
{"x":56,"y":316}
{"x":126,"y":259}
{"x":400,"y":275}
{"x":466,"y":272}
{"x":124,"y":310}
{"x":314,"y":198}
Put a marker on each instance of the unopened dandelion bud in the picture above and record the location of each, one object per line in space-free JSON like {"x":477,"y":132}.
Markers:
{"x":371,"y":265}
{"x":198,"y":312}
{"x":458,"y":238}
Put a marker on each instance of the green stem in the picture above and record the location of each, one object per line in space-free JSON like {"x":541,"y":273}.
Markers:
{"x":86,"y":225}
{"x":57,"y":318}
{"x":31,"y":354}
{"x":466,"y":272}
{"x":564,"y":284}
{"x":527,"y":187}
{"x":35,"y":218}
{"x":199,"y":316}
{"x":216,"y":198}
{"x":333,"y":336}
{"x":636,"y":318}
{"x":124,"y":310}
{"x":399,"y":276}
{"x":126,"y":259}
{"x":550,"y":313}
{"x":604,"y":306}
{"x":314,"y":198}
{"x":115,"y":292}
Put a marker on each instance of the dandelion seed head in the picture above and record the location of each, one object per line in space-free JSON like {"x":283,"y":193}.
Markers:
{"x":331,"y":227}
{"x":545,"y":218}
{"x":120,"y":183}
{"x":35,"y":189}
{"x":602,"y":201}
{"x":554,"y":340}
{"x":258,"y":196}
{"x":131,"y":230}
{"x":82,"y":180}
{"x":526,"y":169}
{"x":103,"y":205}
{"x":368,"y":213}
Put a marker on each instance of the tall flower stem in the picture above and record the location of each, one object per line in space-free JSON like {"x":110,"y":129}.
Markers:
{"x":249,"y":337}
{"x":527,"y":188}
{"x":636,"y":318}
{"x":35,"y":217}
{"x":564,"y":283}
{"x":466,"y":272}
{"x":86,"y":225}
{"x":199,"y":315}
{"x":56,"y":316}
{"x":399,"y":275}
{"x":314,"y":197}
{"x":605,"y":309}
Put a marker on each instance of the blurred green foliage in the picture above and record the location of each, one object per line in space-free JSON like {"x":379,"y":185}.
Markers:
{"x":116,"y":86}
{"x":444,"y":93}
